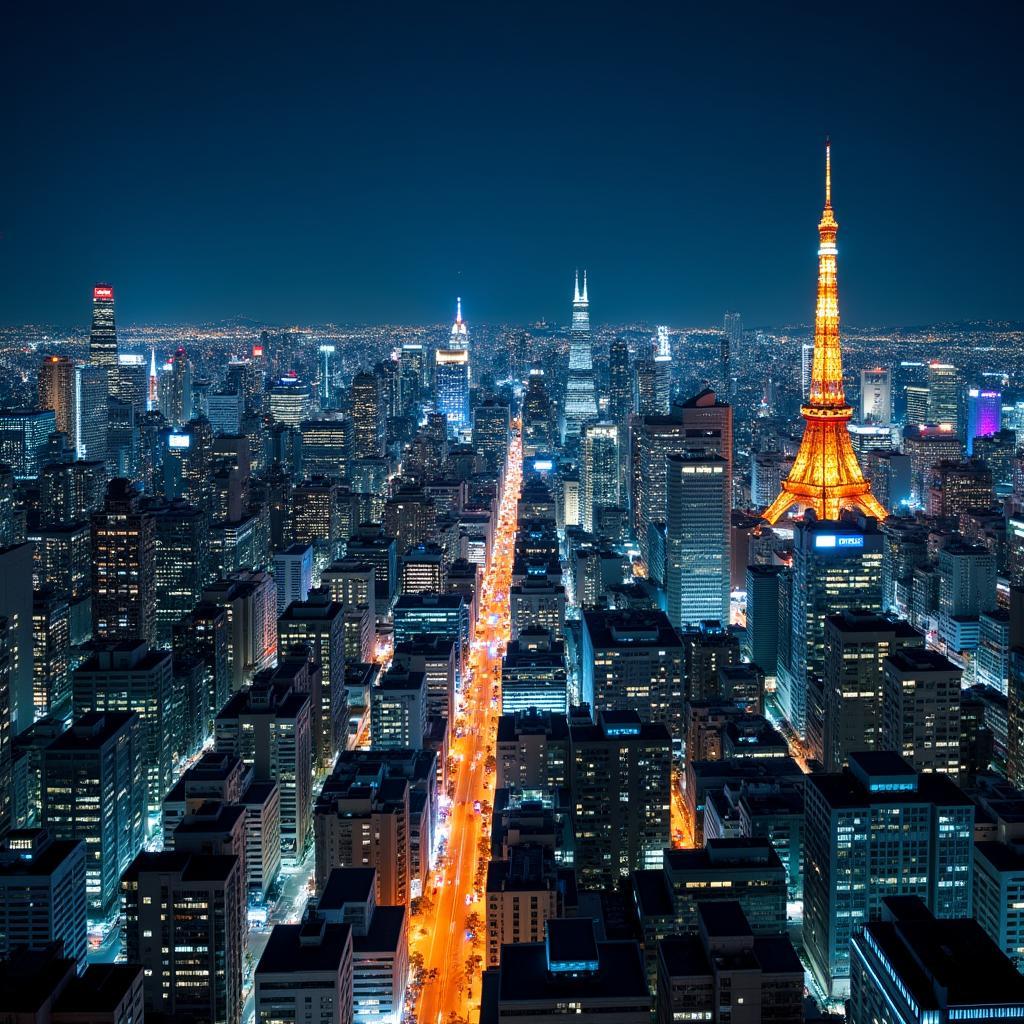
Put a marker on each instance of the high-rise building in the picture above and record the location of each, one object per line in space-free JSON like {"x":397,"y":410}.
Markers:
{"x":398,"y":710}
{"x":928,"y":445}
{"x":319,"y":624}
{"x":97,"y":765}
{"x":826,"y":475}
{"x":538,"y":417}
{"x":907,"y":966}
{"x":24,"y":437}
{"x":186,"y":925}
{"x":491,"y":432}
{"x":293,"y":574}
{"x":42,"y":894}
{"x":764,"y":622}
{"x":732,"y":349}
{"x":305,"y":973}
{"x":954,"y":488}
{"x":325,"y":447}
{"x":620,"y":383}
{"x":451,"y":387}
{"x":534,"y":674}
{"x":836,"y":565}
{"x":580,"y":401}
{"x":367,"y":416}
{"x":51,"y":655}
{"x":600,"y":476}
{"x":876,"y":396}
{"x":16,"y":686}
{"x":698,"y":547}
{"x":943,"y":394}
{"x":182,"y":563}
{"x":126,"y":675}
{"x":857,"y":644}
{"x":632,"y":659}
{"x":916,"y":400}
{"x":57,"y":391}
{"x":91,"y":419}
{"x":291,"y":401}
{"x":132,"y":380}
{"x":853,"y":862}
{"x":103,"y":335}
{"x":984,"y":414}
{"x":124,"y":566}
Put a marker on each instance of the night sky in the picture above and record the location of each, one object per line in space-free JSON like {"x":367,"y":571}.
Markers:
{"x":296,"y":164}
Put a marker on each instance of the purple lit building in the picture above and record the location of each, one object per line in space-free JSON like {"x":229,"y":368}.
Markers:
{"x":984,"y":414}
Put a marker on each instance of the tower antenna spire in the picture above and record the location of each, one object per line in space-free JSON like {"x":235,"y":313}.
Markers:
{"x":828,"y":171}
{"x":576,"y":290}
{"x":585,"y":299}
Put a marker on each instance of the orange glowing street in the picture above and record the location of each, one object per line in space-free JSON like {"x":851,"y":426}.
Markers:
{"x":453,"y":904}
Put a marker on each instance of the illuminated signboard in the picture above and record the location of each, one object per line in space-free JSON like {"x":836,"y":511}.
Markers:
{"x":543,"y":465}
{"x":179,"y":440}
{"x":102,"y":291}
{"x":257,"y":351}
{"x":832,"y":540}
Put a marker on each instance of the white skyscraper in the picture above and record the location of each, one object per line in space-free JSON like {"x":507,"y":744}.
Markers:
{"x":580,"y":402}
{"x":663,"y":371}
{"x":876,"y":396}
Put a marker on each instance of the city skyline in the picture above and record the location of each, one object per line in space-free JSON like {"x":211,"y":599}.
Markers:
{"x":681,"y":181}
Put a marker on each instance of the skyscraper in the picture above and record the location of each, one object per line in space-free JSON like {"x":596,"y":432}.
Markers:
{"x":876,"y":396}
{"x":984,"y":414}
{"x":663,"y":371}
{"x":698,"y":530}
{"x":836,"y":565}
{"x":620,"y":382}
{"x":103,"y":336}
{"x":600,"y":471}
{"x":826,"y":475}
{"x":580,"y":401}
{"x":91,"y":418}
{"x":732,"y":329}
{"x":943,"y":394}
{"x":367,"y":417}
{"x":57,"y":391}
{"x":451,"y":387}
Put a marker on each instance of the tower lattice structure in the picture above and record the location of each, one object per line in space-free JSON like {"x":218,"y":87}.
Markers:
{"x":826,"y":475}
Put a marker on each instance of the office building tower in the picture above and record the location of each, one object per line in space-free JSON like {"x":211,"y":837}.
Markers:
{"x":293,"y":574}
{"x":943,"y":394}
{"x":325,"y":448}
{"x":380,"y":953}
{"x":51,"y":655}
{"x":927,"y":446}
{"x":103,"y":335}
{"x":126,"y":675}
{"x":291,"y":401}
{"x":876,"y":396}
{"x":999,"y":451}
{"x":708,"y":647}
{"x":491,"y":432}
{"x":451,"y":388}
{"x":177,"y":407}
{"x":270,"y":727}
{"x":440,"y":615}
{"x":889,"y":473}
{"x":24,"y":436}
{"x":620,"y":383}
{"x":806,"y":368}
{"x":398,"y":710}
{"x":250,"y":601}
{"x":186,"y":926}
{"x":727,"y":973}
{"x":8,"y":803}
{"x":16,"y":603}
{"x":42,"y":894}
{"x":57,"y":391}
{"x":132,"y":380}
{"x":632,"y":659}
{"x":182,"y":563}
{"x":967,"y":587}
{"x":662,"y":373}
{"x":992,"y":661}
{"x":602,"y":980}
{"x":533,"y":750}
{"x":767,"y":472}
{"x":305,"y":973}
{"x":853,"y":864}
{"x":600,"y":477}
{"x":319,"y":624}
{"x":836,"y":565}
{"x":952,"y":489}
{"x":534,"y":674}
{"x":97,"y":763}
{"x":580,"y":401}
{"x":225,"y":408}
{"x":761,"y":636}
{"x":648,"y":398}
{"x":921,"y":710}
{"x":732,"y":347}
{"x":620,"y":780}
{"x":984,"y":414}
{"x":367,"y":416}
{"x":857,"y":644}
{"x":203,"y":634}
{"x":700,"y":423}
{"x":124,"y":566}
{"x":826,"y":475}
{"x":908,"y":966}
{"x":698,"y":537}
{"x":916,"y":400}
{"x":538,"y":415}
{"x":369,"y":546}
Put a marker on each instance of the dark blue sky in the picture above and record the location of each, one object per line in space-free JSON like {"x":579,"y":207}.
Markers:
{"x":295,"y":163}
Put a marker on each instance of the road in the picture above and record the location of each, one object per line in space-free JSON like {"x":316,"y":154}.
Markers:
{"x":456,"y":890}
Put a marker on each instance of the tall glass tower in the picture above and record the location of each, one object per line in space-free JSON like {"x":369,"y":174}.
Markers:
{"x":103,"y":336}
{"x":580,"y":402}
{"x":452,"y":376}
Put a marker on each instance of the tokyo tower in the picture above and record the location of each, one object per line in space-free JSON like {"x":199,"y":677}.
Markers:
{"x":826,"y":475}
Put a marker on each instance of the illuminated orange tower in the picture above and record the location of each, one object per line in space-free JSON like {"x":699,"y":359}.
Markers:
{"x":826,"y":475}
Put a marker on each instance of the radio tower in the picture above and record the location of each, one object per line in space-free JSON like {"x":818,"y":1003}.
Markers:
{"x":826,"y":475}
